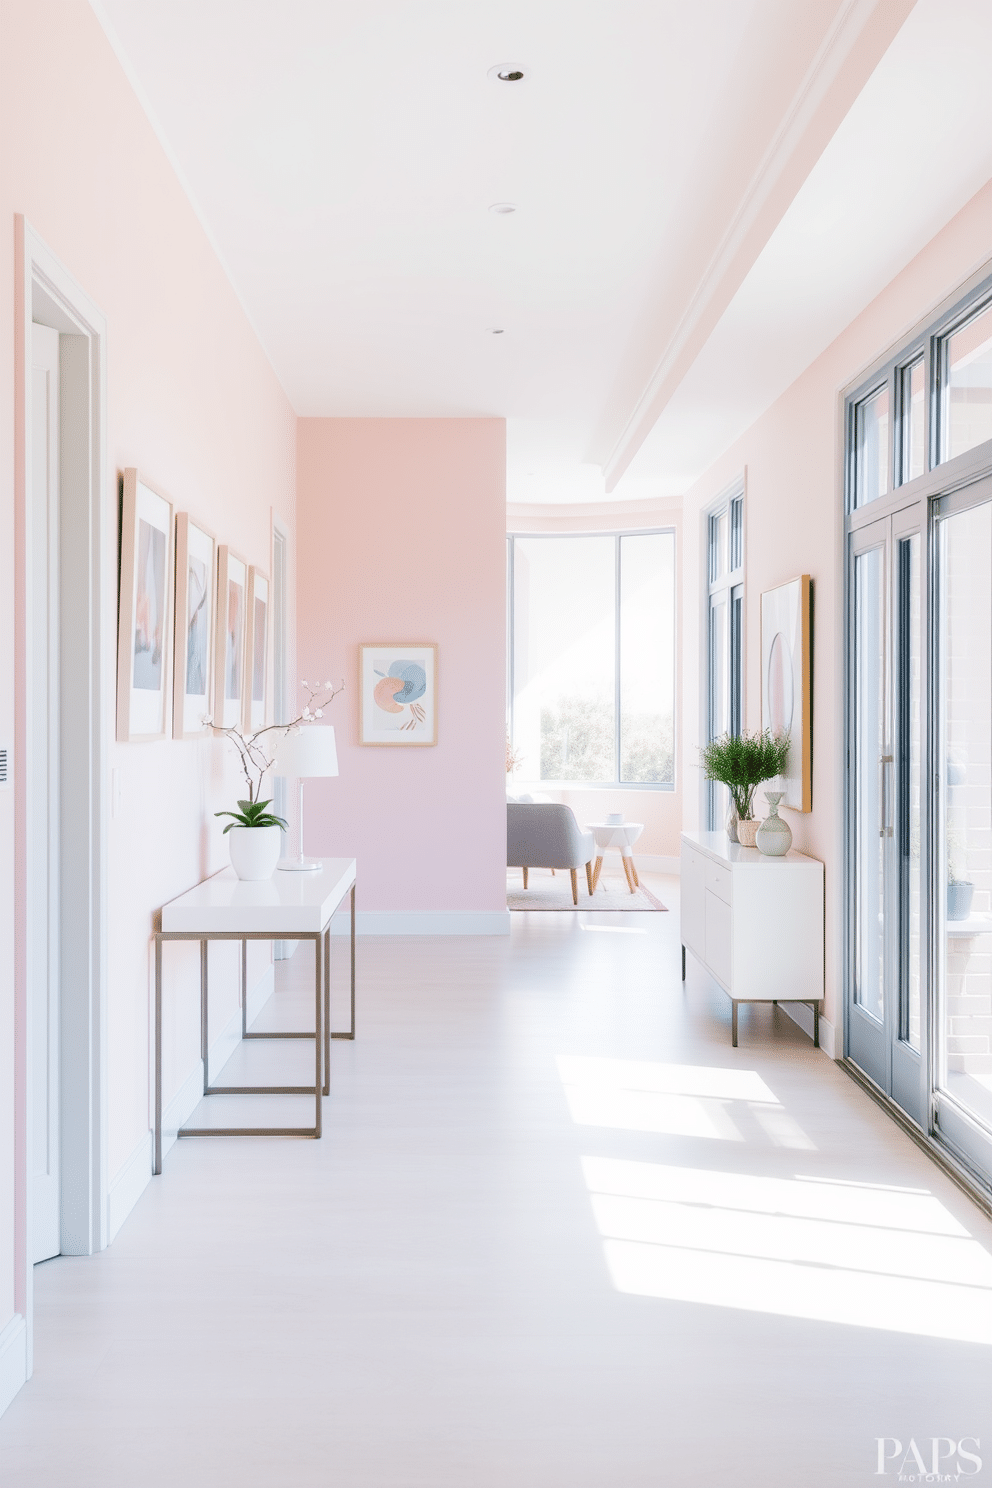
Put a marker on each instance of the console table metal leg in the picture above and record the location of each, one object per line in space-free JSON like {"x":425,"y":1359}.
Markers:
{"x":350,"y":1033}
{"x":733,"y":1022}
{"x":318,"y":1042}
{"x":244,"y":988}
{"x":157,"y":1168}
{"x":204,"y":1039}
{"x":816,"y":1025}
{"x":683,"y":963}
{"x":327,"y":1011}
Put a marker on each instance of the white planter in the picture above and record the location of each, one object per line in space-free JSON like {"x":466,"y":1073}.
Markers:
{"x":255,"y":851}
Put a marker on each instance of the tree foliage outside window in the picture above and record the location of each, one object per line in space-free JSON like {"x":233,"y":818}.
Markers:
{"x":592,"y":634}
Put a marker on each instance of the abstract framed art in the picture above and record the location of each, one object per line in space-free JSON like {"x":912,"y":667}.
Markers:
{"x":256,"y":651}
{"x":229,"y":645}
{"x":144,"y":612}
{"x":196,"y":605}
{"x":787,"y":681}
{"x":397,"y":690}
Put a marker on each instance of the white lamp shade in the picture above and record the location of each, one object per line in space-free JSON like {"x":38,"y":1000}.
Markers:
{"x":308,"y":754}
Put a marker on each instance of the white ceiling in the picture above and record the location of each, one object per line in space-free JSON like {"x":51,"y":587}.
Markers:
{"x":343,"y":155}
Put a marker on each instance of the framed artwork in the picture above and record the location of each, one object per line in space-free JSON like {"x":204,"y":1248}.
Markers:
{"x":229,"y":646}
{"x":257,"y":652}
{"x":196,"y":579}
{"x":143,"y":625}
{"x":787,"y":681}
{"x":397,"y":690}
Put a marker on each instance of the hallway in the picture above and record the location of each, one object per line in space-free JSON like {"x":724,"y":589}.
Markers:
{"x":429,"y":1296}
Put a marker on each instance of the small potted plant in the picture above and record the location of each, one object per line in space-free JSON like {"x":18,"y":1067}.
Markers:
{"x":741,"y":762}
{"x":960,"y":891}
{"x":255,"y":831}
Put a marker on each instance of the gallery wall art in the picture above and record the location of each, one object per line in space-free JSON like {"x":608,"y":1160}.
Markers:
{"x":398,"y":693}
{"x":145,"y":611}
{"x":787,"y":681}
{"x":229,"y":650}
{"x":195,"y":607}
{"x":257,"y":652}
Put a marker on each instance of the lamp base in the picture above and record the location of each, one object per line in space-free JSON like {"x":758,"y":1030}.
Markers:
{"x":300,"y":865}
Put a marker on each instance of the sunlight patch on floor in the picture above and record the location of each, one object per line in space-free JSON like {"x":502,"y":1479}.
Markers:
{"x":829,"y":1252}
{"x":678,"y":1099}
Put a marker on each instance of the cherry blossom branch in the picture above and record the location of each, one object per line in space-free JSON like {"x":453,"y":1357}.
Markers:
{"x":255,"y":762}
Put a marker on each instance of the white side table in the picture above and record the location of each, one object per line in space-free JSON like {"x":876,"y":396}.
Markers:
{"x":616,"y":837}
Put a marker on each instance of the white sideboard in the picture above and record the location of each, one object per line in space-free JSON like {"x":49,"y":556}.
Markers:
{"x":756,"y":923}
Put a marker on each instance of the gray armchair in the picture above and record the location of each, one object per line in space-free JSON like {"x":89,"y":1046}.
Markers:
{"x":545,"y":835}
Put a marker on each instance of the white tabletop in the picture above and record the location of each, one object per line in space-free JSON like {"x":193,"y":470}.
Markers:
{"x":718,"y":845}
{"x":287,"y":904}
{"x":616,"y":835}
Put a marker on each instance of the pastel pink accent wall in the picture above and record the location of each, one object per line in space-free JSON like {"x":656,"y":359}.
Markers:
{"x":793,"y":459}
{"x":402,"y":537}
{"x":193,"y":402}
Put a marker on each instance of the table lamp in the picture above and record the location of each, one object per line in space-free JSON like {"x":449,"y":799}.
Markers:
{"x":306,"y":755}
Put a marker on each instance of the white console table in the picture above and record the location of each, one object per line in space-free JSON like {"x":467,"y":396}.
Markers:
{"x":756,"y":923}
{"x":287,"y":906}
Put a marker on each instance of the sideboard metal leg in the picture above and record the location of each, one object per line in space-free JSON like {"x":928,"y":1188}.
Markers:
{"x":683,"y":963}
{"x":816,"y":1025}
{"x":204,"y":1040}
{"x":733,"y":1022}
{"x":158,"y":1055}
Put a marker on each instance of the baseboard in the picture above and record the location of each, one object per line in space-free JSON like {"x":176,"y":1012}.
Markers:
{"x":424,"y":922}
{"x":657,"y":863}
{"x":128,"y":1184}
{"x":13,"y":1359}
{"x":802,"y":1014}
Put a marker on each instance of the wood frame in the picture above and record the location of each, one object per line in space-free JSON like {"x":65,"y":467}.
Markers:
{"x":370,"y":730}
{"x":185,"y":724}
{"x":143,"y":712}
{"x":787,"y":612}
{"x":231,"y":569}
{"x":256,"y":709}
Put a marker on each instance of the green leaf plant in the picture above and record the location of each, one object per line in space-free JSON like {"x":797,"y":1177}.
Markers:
{"x":741,"y":762}
{"x":253,"y":814}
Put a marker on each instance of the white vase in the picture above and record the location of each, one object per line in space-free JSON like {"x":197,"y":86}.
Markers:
{"x":255,"y":851}
{"x":774,"y":836}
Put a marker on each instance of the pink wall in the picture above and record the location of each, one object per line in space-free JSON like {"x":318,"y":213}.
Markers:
{"x":193,"y":402}
{"x":401,"y":534}
{"x":794,"y":524}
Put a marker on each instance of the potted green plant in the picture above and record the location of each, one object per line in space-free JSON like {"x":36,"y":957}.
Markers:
{"x":741,"y":762}
{"x":256,"y":832}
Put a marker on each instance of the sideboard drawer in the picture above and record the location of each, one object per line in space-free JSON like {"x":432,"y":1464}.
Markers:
{"x":719,"y":882}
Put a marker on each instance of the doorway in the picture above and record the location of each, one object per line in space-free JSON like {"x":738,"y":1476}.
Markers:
{"x":65,"y":618}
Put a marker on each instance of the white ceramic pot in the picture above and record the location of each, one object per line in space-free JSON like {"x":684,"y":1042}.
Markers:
{"x":255,"y":851}
{"x":774,"y":836}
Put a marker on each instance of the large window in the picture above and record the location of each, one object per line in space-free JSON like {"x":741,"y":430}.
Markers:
{"x":592,"y":658}
{"x":928,"y":404}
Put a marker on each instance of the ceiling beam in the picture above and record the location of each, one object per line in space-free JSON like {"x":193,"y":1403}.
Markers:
{"x":860,"y":35}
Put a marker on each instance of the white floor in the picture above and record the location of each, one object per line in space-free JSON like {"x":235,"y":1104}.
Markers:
{"x":558,"y":1234}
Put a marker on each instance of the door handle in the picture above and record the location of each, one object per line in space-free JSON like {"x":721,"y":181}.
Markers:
{"x":885,"y":830}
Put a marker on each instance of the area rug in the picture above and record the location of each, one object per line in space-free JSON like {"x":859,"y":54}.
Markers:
{"x":555,"y":892}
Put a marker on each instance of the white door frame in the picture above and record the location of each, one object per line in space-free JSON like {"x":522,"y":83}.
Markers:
{"x":88,"y":600}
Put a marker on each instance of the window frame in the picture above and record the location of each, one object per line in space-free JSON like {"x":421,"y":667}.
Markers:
{"x":725,"y":588}
{"x":618,"y":535}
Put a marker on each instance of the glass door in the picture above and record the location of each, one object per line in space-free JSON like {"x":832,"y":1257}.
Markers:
{"x":885,"y":783}
{"x":962,"y":1065}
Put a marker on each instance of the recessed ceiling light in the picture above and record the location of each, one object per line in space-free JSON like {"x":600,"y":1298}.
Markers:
{"x":495,"y":330}
{"x":508,"y":73}
{"x":502,"y":209}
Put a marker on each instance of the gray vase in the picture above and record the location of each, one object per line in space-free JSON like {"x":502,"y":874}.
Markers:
{"x":732,"y":821}
{"x":774,"y":835}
